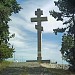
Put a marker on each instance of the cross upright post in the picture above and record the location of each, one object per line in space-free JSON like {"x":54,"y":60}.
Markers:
{"x":39,"y":28}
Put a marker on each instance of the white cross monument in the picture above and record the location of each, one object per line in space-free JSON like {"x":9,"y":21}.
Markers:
{"x":39,"y":28}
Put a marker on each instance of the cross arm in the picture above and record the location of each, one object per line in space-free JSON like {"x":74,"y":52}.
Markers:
{"x":39,"y":19}
{"x":40,"y":28}
{"x":43,"y":19}
{"x":34,"y":20}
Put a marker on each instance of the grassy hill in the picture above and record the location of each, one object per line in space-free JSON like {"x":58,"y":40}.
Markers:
{"x":22,"y":68}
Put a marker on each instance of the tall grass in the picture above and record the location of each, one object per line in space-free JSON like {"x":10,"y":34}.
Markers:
{"x":60,"y":72}
{"x":4,"y":64}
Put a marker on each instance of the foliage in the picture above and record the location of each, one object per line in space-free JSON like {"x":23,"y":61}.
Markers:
{"x":67,"y":44}
{"x":5,"y":52}
{"x":66,"y":9}
{"x":7,"y":8}
{"x":4,"y":64}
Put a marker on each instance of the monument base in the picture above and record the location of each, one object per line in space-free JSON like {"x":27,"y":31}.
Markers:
{"x":39,"y":59}
{"x":42,"y":61}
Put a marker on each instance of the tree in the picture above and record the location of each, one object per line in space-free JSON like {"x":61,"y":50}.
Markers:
{"x":7,"y":8}
{"x":67,"y":44}
{"x":66,"y":9}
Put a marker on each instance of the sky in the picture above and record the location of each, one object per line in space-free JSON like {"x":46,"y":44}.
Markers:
{"x":25,"y":40}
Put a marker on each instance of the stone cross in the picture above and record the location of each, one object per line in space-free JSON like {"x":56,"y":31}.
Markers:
{"x":39,"y":28}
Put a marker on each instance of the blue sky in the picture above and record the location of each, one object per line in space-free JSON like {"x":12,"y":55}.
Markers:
{"x":25,"y":41}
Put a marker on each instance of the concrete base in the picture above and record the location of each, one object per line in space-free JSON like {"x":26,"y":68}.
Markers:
{"x":42,"y":61}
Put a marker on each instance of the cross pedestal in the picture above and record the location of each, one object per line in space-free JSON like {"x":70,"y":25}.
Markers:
{"x":39,"y":28}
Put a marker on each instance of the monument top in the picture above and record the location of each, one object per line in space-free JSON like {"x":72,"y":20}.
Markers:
{"x":38,"y":12}
{"x":38,"y":19}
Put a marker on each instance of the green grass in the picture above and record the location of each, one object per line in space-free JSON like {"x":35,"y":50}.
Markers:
{"x":4,"y":64}
{"x":60,"y":72}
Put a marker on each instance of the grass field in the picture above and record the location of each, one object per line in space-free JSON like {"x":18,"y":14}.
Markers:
{"x":4,"y":64}
{"x":22,"y":69}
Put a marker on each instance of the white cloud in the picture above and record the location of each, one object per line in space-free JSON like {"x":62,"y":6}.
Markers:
{"x":51,"y":51}
{"x":28,"y":11}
